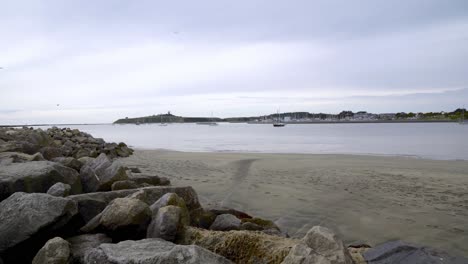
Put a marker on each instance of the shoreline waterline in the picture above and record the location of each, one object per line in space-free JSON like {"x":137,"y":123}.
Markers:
{"x":416,"y":157}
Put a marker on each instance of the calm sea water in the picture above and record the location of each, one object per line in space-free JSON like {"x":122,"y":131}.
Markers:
{"x":425,"y":140}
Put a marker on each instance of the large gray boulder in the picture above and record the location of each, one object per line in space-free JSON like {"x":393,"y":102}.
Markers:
{"x":7,"y":158}
{"x":82,"y":152}
{"x":166,"y":224}
{"x":149,"y":251}
{"x":128,"y":184}
{"x":25,"y":216}
{"x":123,"y":212}
{"x":100,"y":173}
{"x":50,"y":153}
{"x":90,"y":204}
{"x":122,"y":218}
{"x":80,"y":245}
{"x":36,"y":176}
{"x":319,"y":246}
{"x":149,"y":179}
{"x":59,"y":189}
{"x":69,"y":162}
{"x":175,"y":200}
{"x":55,"y":251}
{"x":25,"y":140}
{"x":226,"y":222}
{"x":407,"y":253}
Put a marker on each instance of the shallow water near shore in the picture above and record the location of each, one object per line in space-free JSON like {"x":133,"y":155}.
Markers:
{"x":446,"y":141}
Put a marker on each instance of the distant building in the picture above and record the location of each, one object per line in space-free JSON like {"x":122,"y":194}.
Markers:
{"x":387,"y":116}
{"x":363,"y":115}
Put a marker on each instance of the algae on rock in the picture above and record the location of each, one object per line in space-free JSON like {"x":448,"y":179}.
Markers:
{"x":240,"y":246}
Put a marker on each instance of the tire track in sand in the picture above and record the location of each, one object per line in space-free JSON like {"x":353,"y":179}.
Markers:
{"x":241,"y":172}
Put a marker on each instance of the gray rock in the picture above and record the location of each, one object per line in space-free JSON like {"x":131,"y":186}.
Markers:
{"x":123,"y":218}
{"x":202,"y":218}
{"x":28,"y":141}
{"x":319,"y":246}
{"x":92,"y":225}
{"x":149,"y":251}
{"x":55,"y":251}
{"x":226,"y":222}
{"x":150,"y":179}
{"x":85,"y":160}
{"x":19,"y":146}
{"x":123,"y":151}
{"x":408,"y":253}
{"x":80,"y":245}
{"x":82,"y":152}
{"x":69,"y":162}
{"x":36,"y":176}
{"x":18,"y":157}
{"x":166,"y":224}
{"x":123,"y":185}
{"x":50,"y":153}
{"x":59,"y":189}
{"x":175,"y":200}
{"x":123,"y":212}
{"x":23,"y":215}
{"x":69,"y":144}
{"x":140,"y":195}
{"x":81,"y":139}
{"x":100,"y":173}
{"x":151,"y":195}
{"x":89,"y":208}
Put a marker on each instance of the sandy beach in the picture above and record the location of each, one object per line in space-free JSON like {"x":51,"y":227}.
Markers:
{"x":368,"y":199}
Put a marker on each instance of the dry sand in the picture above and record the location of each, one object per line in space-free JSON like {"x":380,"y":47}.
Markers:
{"x":363,"y":198}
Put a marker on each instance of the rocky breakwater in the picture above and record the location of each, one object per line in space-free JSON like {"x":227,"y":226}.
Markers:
{"x":58,"y":206}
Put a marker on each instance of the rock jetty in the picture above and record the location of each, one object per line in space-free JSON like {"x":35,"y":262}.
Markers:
{"x":65,"y":198}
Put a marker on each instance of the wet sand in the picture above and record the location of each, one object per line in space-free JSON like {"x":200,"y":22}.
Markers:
{"x":363,"y":198}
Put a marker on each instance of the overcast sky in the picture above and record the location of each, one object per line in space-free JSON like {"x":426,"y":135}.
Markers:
{"x":95,"y":61}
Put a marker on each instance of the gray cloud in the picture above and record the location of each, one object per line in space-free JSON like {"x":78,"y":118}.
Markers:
{"x":105,"y":59}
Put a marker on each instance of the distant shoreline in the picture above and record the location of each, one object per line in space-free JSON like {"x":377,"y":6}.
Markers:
{"x":359,"y":122}
{"x":259,"y":123}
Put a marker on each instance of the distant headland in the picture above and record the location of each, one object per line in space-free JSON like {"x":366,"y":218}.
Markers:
{"x":307,"y":118}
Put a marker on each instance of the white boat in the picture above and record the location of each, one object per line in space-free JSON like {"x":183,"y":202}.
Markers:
{"x":278,"y":122}
{"x":208,"y":123}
